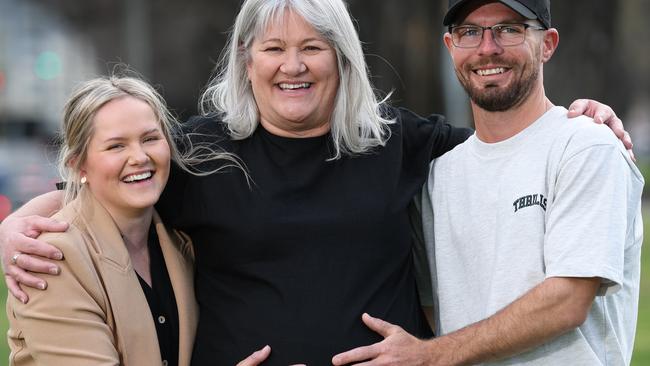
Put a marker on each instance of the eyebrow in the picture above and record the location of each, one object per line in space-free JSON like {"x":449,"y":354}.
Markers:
{"x":120,"y":138}
{"x":303,"y":41}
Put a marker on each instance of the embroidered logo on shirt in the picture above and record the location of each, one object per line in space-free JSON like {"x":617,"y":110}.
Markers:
{"x":530,"y":200}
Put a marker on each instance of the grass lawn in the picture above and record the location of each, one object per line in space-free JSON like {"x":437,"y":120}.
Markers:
{"x":641,"y":355}
{"x":641,"y":347}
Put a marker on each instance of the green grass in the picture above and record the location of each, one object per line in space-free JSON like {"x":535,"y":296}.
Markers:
{"x":641,"y":355}
{"x":4,"y":325}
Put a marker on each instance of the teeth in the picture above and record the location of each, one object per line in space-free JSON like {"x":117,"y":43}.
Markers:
{"x":497,"y":70}
{"x":137,"y":177}
{"x":285,"y":86}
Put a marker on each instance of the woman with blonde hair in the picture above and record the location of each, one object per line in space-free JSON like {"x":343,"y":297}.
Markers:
{"x":124,"y":295}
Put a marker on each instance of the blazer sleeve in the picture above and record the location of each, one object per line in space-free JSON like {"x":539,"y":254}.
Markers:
{"x":66,"y":324}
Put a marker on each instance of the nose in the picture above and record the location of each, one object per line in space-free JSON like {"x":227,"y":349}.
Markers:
{"x":489,"y":45}
{"x":138,"y":155}
{"x":293,"y":63}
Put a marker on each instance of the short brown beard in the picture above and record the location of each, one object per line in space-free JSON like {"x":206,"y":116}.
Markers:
{"x":494,"y":100}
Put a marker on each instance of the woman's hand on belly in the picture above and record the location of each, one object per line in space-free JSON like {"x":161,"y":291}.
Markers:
{"x":258,"y":357}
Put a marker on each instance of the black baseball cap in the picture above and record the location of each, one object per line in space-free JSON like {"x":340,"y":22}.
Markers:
{"x":529,"y":9}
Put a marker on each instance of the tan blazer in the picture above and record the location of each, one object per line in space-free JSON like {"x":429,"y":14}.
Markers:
{"x":95,"y":312}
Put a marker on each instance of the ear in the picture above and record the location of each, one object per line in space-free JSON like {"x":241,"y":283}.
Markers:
{"x":550,"y":43}
{"x":249,"y":70}
{"x":249,"y":61}
{"x":72,"y":164}
{"x":448,"y":43}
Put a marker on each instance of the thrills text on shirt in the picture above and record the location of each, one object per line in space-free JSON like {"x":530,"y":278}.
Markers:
{"x":530,"y":200}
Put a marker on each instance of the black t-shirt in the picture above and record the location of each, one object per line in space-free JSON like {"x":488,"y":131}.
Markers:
{"x":293,"y":258}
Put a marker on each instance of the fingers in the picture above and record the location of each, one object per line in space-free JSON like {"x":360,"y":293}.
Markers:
{"x":14,"y":289}
{"x":17,"y":236}
{"x":257,"y":357}
{"x":382,"y":327}
{"x":627,"y":140}
{"x":616,"y":125}
{"x":602,"y":113}
{"x":33,"y":226}
{"x":578,"y":108}
{"x":25,"y":264}
{"x":357,"y":355}
{"x":16,"y":241}
{"x":35,"y":264}
{"x":19,"y":243}
{"x":43,"y":224}
{"x":25,"y":278}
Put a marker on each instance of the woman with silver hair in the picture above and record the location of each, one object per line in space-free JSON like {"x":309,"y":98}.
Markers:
{"x":356,"y":123}
{"x":318,"y":232}
{"x":322,"y":234}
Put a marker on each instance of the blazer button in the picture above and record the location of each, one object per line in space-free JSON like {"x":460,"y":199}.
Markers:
{"x":165,"y":363}
{"x":161,"y":319}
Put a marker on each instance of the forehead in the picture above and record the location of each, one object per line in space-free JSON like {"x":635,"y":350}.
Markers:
{"x":124,"y":115}
{"x":488,"y":13}
{"x":285,"y":25}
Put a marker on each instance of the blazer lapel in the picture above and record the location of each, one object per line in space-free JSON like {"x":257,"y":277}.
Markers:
{"x":134,"y":325}
{"x":181,"y":275}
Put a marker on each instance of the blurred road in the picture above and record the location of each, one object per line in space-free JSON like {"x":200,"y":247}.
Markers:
{"x":27,"y":168}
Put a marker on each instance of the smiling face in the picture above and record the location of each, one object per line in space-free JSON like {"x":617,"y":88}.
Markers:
{"x":128,"y":157}
{"x":498,"y":78}
{"x":294,"y":76}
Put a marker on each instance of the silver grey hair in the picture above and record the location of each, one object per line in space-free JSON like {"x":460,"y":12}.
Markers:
{"x":357,"y":124}
{"x":78,"y":127}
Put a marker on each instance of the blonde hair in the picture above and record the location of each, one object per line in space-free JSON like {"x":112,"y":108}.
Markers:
{"x":78,"y":128}
{"x":357,"y":124}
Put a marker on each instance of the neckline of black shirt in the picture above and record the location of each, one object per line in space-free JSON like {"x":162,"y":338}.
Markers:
{"x":161,"y":300}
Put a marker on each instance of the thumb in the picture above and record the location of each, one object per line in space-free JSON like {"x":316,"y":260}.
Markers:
{"x":382,"y":327}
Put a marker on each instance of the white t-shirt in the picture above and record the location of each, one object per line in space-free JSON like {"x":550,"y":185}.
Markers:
{"x":560,"y":199}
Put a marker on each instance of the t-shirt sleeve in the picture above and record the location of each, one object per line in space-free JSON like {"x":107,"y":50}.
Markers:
{"x":587,"y":217}
{"x":433,"y":131}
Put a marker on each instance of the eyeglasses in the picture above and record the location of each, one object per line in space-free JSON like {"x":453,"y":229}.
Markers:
{"x":470,"y":36}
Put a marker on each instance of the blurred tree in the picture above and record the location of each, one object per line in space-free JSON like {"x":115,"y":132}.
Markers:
{"x":402,"y":41}
{"x":603,"y":51}
{"x":589,"y":62}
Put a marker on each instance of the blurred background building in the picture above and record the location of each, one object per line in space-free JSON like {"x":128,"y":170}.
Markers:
{"x":47,"y":46}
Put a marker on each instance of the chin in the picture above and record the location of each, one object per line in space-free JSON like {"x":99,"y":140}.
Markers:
{"x":141,"y":203}
{"x":295,"y":117}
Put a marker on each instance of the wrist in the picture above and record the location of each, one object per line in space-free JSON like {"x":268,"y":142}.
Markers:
{"x":445,"y":350}
{"x":450,"y":350}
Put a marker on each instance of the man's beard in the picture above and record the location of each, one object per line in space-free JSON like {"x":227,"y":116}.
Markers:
{"x":495,"y":99}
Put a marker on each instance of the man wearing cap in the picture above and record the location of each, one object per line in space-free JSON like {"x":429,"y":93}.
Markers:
{"x":532,"y":226}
